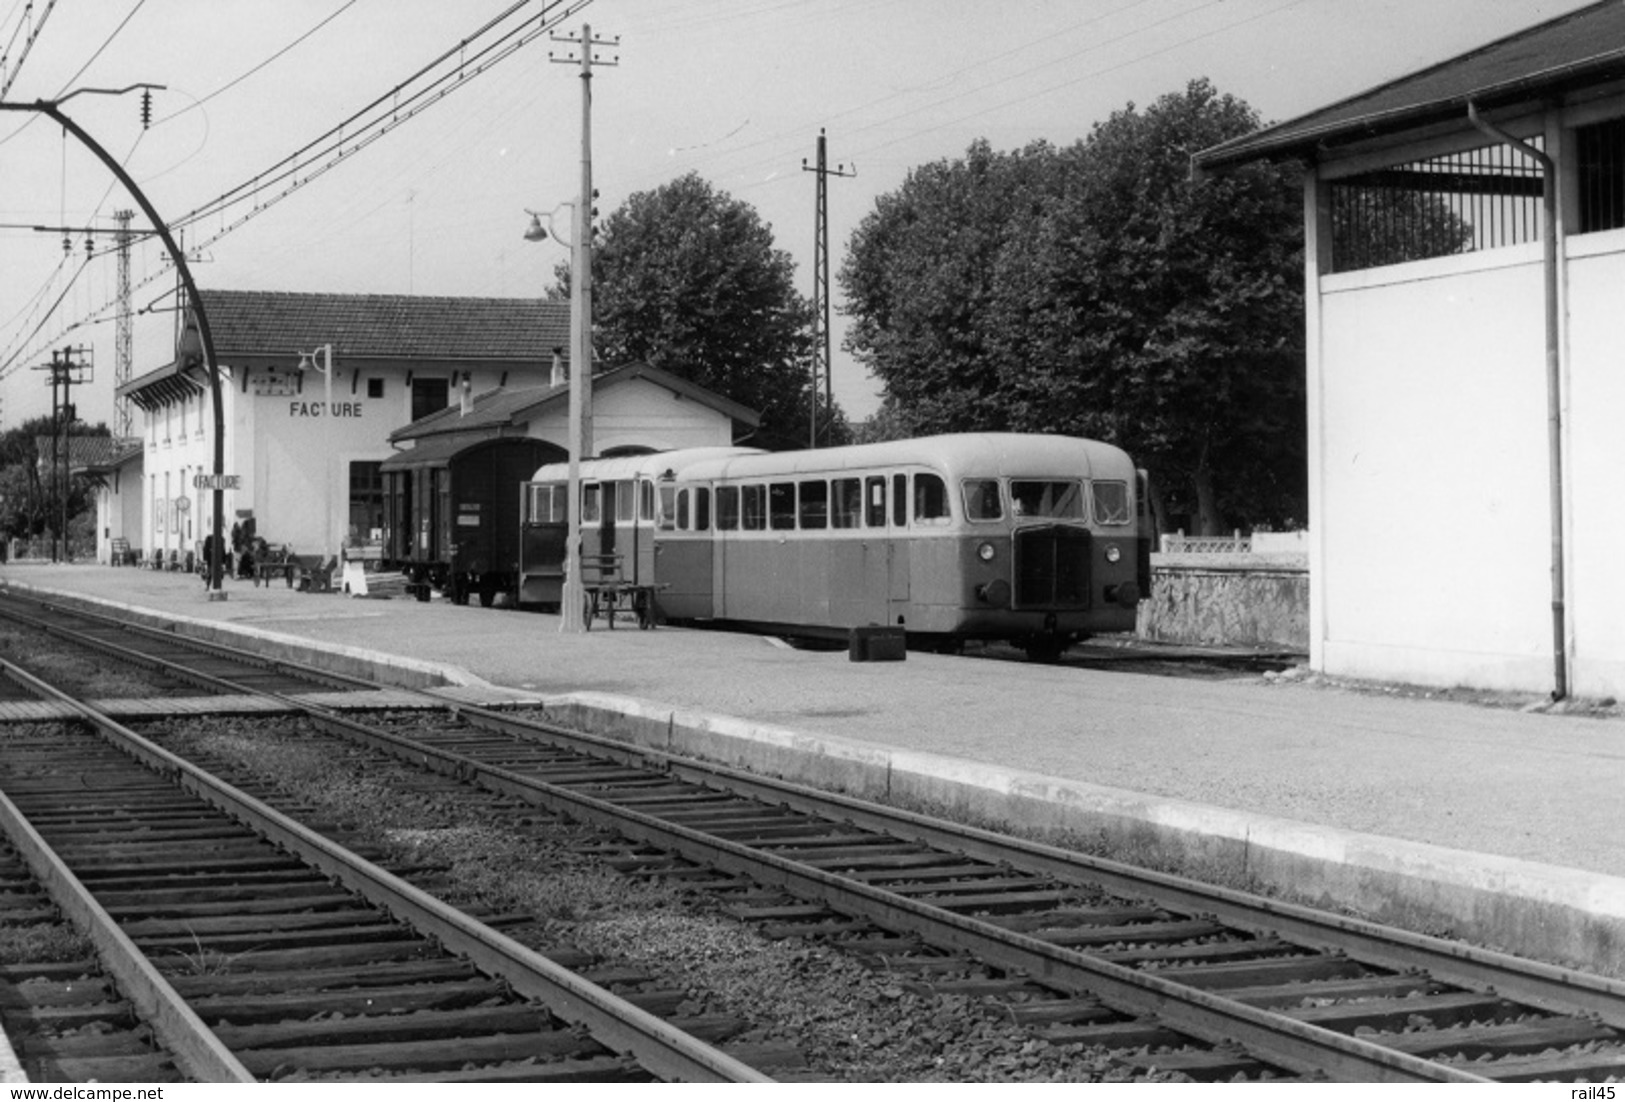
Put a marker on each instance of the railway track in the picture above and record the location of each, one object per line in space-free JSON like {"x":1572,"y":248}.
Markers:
{"x":1090,"y":952}
{"x":254,"y":948}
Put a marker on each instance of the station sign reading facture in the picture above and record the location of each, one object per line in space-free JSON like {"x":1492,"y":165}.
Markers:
{"x":217,"y":481}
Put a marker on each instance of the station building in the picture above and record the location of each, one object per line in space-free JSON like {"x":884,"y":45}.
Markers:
{"x":305,"y":451}
{"x":1465,"y":265}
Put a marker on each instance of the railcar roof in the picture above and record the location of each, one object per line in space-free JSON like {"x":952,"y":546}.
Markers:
{"x":650,"y":465}
{"x":992,"y":454}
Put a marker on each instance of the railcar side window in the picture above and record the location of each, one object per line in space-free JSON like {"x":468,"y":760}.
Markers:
{"x":646,"y":501}
{"x":1111,"y":502}
{"x":982,"y":499}
{"x":753,"y":508}
{"x":727,"y":508}
{"x":874,"y":509}
{"x":846,"y":502}
{"x":1057,"y":498}
{"x":781,"y":505}
{"x":591,"y":496}
{"x":930,"y":499}
{"x":899,"y":501}
{"x":814,"y":504}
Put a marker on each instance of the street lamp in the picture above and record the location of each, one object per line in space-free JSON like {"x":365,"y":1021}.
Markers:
{"x":308,"y":361}
{"x":573,"y":594}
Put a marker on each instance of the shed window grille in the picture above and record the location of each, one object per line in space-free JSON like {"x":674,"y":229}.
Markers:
{"x":1600,"y":152}
{"x":1484,"y":198}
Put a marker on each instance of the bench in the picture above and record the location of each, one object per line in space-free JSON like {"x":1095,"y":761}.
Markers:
{"x":607,"y":592}
{"x":276,"y":563}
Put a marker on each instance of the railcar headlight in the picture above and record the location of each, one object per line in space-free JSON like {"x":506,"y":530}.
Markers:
{"x":986,"y":552}
{"x":1112,"y":553}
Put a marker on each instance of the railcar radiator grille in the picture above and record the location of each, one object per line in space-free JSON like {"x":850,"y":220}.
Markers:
{"x":1052,"y":568}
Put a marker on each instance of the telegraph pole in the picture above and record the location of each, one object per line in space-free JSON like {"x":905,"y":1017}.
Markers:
{"x":572,"y":614}
{"x":820,"y":354}
{"x":67,"y":366}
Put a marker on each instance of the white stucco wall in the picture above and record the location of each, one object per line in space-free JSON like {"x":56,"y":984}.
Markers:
{"x":293,"y":459}
{"x":641,"y":413}
{"x":1433,"y":565}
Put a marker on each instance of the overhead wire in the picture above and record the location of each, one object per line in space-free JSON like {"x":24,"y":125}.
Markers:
{"x":337,"y":147}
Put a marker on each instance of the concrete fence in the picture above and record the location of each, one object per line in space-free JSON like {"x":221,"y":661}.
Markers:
{"x":1256,"y":599}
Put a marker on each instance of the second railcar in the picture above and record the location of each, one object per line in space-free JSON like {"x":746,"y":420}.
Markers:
{"x":452,"y":514}
{"x":1041,"y":540}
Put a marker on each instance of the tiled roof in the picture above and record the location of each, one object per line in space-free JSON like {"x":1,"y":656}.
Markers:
{"x":91,"y":452}
{"x":1582,"y":48}
{"x":247,"y":323}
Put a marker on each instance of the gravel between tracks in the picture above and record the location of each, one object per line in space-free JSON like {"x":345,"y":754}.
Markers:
{"x":850,"y":1023}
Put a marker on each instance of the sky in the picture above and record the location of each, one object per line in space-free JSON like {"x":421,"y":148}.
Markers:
{"x":734,"y":90}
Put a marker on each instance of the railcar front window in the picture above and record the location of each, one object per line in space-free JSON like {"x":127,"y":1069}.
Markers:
{"x":591,"y":495}
{"x":930,"y":499}
{"x":847,"y":508}
{"x":702,"y":509}
{"x":625,"y":502}
{"x":1055,"y":500}
{"x":679,"y":514}
{"x":814,"y":504}
{"x":982,"y":499}
{"x":1111,"y":503}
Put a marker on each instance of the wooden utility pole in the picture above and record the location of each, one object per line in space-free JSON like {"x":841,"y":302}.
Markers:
{"x":820,"y":352}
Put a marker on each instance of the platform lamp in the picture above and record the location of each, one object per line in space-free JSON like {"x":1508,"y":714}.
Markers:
{"x":573,"y":594}
{"x":309,"y":361}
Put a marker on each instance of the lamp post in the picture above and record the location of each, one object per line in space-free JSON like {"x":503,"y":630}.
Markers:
{"x":308,"y":360}
{"x":573,"y":594}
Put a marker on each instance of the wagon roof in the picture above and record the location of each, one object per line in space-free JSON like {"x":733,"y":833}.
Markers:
{"x":438,"y":452}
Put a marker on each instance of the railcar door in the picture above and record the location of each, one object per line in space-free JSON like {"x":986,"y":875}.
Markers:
{"x":684,"y":552}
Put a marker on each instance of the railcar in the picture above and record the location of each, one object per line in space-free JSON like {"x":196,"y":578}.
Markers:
{"x":452,"y":514}
{"x":1040,"y":540}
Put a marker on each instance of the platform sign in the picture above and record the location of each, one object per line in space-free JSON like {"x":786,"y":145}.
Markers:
{"x":217,"y":481}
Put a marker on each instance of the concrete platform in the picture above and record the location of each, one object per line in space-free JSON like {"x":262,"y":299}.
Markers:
{"x":1501,"y":825}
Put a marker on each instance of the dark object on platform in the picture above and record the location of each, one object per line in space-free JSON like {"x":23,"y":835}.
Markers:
{"x":877,"y":644}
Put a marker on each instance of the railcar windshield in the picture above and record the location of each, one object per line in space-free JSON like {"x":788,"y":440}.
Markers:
{"x":982,"y":499}
{"x":1056,"y":500}
{"x":1111,"y":503}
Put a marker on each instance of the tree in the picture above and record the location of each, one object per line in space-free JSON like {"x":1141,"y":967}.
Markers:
{"x":687,"y":279}
{"x":1107,"y":294}
{"x":30,"y":496}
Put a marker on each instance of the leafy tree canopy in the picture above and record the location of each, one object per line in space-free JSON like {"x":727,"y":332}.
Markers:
{"x":1100,"y":290}
{"x":687,"y":278}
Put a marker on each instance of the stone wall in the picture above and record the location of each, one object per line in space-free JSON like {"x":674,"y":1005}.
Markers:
{"x":1247,"y":600}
